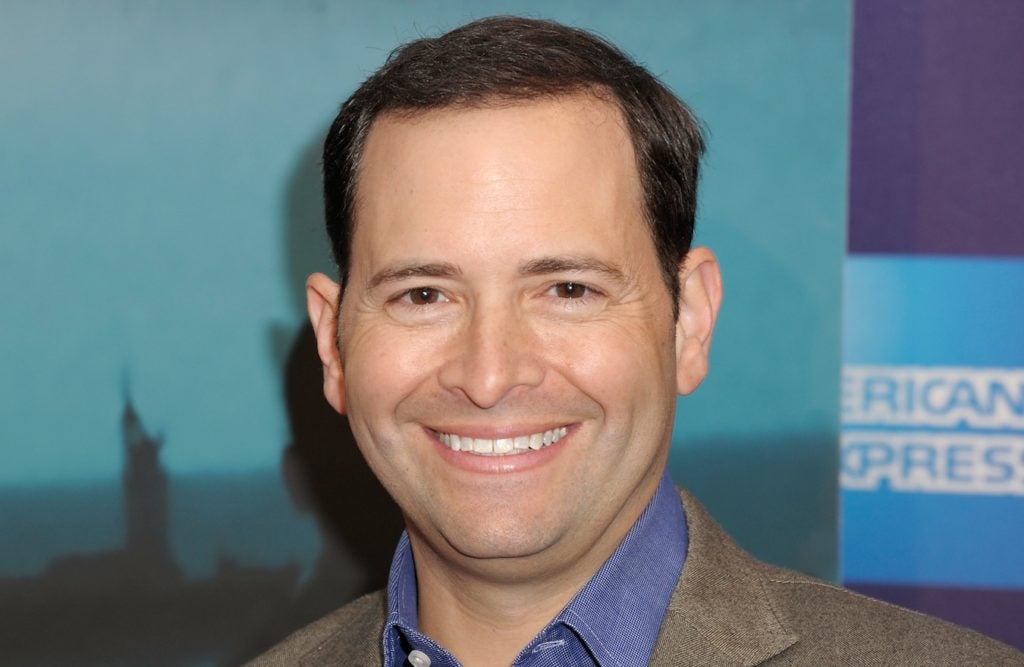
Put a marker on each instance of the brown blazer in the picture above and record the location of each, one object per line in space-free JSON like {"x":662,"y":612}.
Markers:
{"x":727,"y":609}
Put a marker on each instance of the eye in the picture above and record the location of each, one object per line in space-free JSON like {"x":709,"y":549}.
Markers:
{"x":424,"y":296}
{"x":571,"y":290}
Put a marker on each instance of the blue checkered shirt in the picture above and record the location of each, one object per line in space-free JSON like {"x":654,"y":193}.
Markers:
{"x":612,"y":622}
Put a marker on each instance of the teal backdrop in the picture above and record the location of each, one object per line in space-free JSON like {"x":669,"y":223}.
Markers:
{"x":159,"y":213}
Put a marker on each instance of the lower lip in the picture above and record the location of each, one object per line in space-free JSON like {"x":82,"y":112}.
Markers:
{"x":501,"y":464}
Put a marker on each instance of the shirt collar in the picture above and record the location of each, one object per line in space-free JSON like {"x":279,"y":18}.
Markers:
{"x":402,"y":598}
{"x":617,"y":614}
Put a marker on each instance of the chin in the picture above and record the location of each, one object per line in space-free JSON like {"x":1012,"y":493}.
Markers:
{"x":520,"y":539}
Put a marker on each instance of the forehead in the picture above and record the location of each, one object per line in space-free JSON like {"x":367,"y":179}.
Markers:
{"x":557,"y":115}
{"x":521,"y":165}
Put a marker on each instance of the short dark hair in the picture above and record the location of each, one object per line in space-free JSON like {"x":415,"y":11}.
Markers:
{"x":506,"y":59}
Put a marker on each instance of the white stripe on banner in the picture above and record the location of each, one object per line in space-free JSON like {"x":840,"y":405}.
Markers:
{"x":934,"y":396}
{"x":933,"y":429}
{"x":933,"y":463}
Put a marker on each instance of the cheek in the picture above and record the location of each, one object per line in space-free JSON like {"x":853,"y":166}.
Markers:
{"x":619,"y":366}
{"x":381,"y":368}
{"x":389,"y":372}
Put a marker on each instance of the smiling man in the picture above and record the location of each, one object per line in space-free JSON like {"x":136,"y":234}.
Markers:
{"x":508,"y":353}
{"x":511,"y":207}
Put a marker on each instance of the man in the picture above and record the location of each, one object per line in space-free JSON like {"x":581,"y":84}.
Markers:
{"x":511,"y":207}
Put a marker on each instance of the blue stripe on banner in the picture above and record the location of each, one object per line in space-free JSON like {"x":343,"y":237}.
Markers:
{"x":932,"y":539}
{"x":913,"y":310}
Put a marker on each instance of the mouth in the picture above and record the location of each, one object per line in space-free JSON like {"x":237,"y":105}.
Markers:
{"x":519,"y":444}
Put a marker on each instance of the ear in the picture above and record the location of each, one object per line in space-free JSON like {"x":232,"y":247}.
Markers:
{"x":322,"y":295}
{"x":700,"y":298}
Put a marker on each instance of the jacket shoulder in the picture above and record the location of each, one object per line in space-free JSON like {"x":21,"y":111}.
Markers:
{"x":731,"y":609}
{"x":350,"y":635}
{"x":838,"y":626}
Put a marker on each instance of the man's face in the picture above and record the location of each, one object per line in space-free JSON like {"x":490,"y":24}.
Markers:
{"x":504,"y":291}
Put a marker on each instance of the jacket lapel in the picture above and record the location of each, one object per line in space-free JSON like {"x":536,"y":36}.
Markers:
{"x":720,"y":612}
{"x":358,"y":642}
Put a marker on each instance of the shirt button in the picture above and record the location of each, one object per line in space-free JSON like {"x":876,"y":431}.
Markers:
{"x":419,"y":659}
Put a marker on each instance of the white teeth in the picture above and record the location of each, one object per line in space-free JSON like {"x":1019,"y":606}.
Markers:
{"x":501,"y":446}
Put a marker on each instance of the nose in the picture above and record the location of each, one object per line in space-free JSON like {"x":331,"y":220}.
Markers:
{"x":494,"y":355}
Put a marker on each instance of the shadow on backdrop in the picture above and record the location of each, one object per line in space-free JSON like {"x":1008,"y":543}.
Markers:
{"x":328,"y":477}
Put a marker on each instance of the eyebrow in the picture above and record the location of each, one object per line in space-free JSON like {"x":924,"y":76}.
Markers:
{"x":571,"y":264}
{"x":414,"y":270}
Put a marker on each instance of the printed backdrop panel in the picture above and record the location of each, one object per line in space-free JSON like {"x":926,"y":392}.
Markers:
{"x":932,"y":446}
